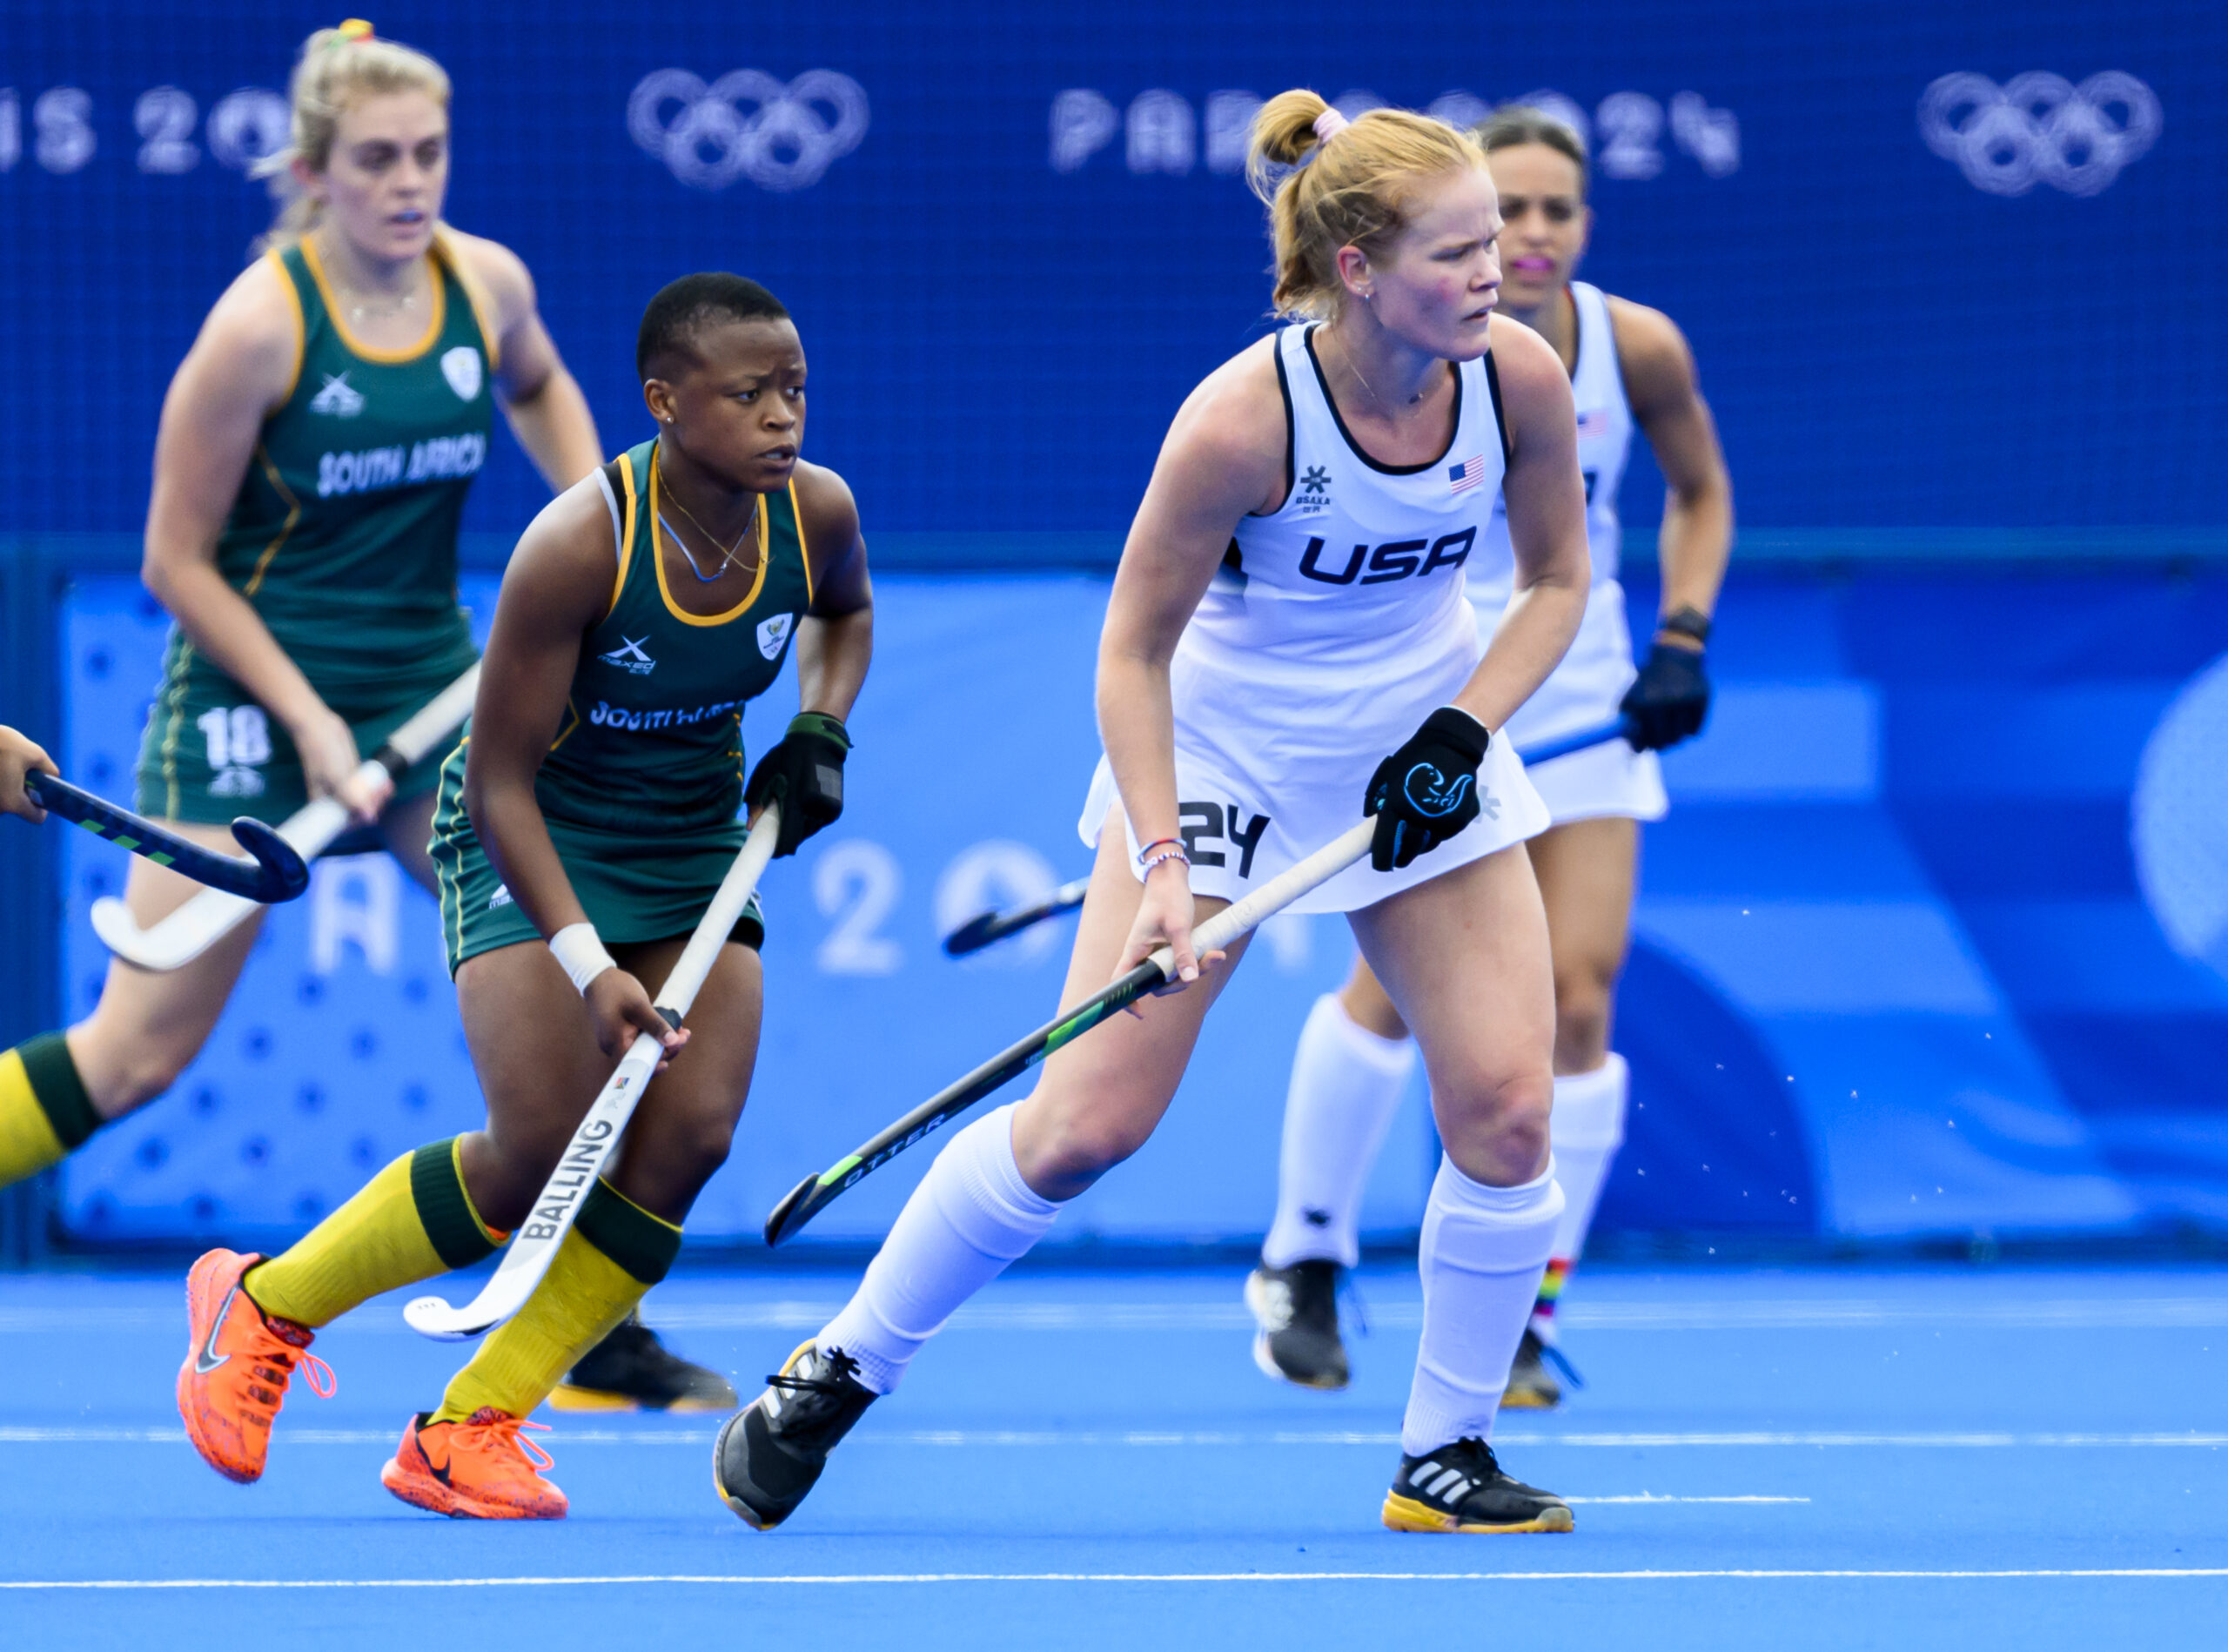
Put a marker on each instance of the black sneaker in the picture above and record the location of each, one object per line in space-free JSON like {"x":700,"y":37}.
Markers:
{"x":771,"y":1452}
{"x":631,"y":1370}
{"x":1297,"y":1308}
{"x":1531,"y":1387}
{"x":1460,"y":1489}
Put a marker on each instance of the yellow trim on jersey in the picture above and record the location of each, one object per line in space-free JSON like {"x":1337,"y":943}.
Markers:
{"x":301,"y":326}
{"x":758,"y":583}
{"x":293,"y":516}
{"x":805,"y":551}
{"x":475,"y":293}
{"x":572,"y":711}
{"x":357,"y":346}
{"x":625,"y":533}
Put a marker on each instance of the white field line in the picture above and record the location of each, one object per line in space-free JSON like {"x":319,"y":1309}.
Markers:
{"x":564,"y":1436}
{"x":825,"y":1579}
{"x":2132,"y":1313}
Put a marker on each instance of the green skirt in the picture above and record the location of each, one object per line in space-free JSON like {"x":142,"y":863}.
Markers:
{"x":634,"y":888}
{"x":211,"y":753}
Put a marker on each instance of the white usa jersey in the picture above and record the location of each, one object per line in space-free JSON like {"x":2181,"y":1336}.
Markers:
{"x":1605,"y":440}
{"x":1362,"y":556}
{"x":1335,"y":624}
{"x":1587,"y":684}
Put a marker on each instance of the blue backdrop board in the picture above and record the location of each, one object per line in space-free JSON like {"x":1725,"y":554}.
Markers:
{"x":1897,"y":973}
{"x":1941,"y":265}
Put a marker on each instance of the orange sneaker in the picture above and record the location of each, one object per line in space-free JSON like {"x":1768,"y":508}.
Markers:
{"x":238,"y":1363}
{"x":483,"y":1468}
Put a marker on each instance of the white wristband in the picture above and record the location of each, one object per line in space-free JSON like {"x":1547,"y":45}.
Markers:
{"x":581,"y":954}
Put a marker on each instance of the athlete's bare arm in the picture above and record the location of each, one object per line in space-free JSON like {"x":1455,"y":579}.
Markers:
{"x":1696,"y":538}
{"x":540,"y":398}
{"x":239,"y":370}
{"x":1545,"y":498}
{"x":1223,"y":458}
{"x":559,"y":585}
{"x":19,"y":755}
{"x":835,"y":638}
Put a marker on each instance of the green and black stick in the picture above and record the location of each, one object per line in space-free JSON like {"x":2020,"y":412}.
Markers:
{"x":277,"y":872}
{"x":814,"y":1194}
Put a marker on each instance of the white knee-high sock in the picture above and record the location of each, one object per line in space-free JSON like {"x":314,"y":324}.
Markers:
{"x":1587,"y":1126}
{"x":1483,"y":1251}
{"x":971,"y":1215}
{"x":1346,"y":1083}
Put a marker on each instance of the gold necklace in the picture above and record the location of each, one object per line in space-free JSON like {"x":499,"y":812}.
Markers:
{"x":361,"y":308}
{"x":727,"y":556}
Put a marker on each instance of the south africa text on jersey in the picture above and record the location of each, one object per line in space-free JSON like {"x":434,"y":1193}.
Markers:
{"x":438,"y":459}
{"x":606,"y":715}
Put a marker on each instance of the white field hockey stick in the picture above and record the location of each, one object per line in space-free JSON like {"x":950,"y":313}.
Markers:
{"x":534,"y":1246}
{"x":814,"y":1193}
{"x":209,"y":917}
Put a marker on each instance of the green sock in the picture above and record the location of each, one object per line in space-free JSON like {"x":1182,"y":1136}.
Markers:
{"x":614,"y":1253}
{"x":410,"y":1222}
{"x":45,"y":1115}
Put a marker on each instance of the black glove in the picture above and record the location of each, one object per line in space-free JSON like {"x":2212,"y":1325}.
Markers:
{"x":1427,"y":791}
{"x":1670,"y":699}
{"x":804,"y":774}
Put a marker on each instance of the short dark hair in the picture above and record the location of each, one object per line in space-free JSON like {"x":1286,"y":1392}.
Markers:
{"x":1515,"y":124}
{"x":683,"y":307}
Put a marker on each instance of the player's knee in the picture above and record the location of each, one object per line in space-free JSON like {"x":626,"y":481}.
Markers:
{"x":1494,"y":1125}
{"x":700,"y":1145}
{"x":506,"y":1171}
{"x":1064,"y":1159}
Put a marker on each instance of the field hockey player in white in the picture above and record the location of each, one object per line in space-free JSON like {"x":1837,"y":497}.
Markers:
{"x":1629,"y":369}
{"x":1288,"y":612}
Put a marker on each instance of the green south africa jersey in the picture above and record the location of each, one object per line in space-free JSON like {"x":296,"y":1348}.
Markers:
{"x":641,"y":789}
{"x":342,"y":538}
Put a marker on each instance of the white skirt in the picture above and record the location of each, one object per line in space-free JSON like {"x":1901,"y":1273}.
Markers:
{"x":1608,"y":779}
{"x":1271,"y":761}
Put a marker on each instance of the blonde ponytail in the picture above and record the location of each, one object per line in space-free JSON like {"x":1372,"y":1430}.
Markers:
{"x":1354,"y":188}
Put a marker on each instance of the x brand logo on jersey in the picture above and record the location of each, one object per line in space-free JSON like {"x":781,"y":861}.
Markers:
{"x":339,"y":398}
{"x":1315,"y":479}
{"x":748,"y":124}
{"x":629,"y":656}
{"x":2040,"y":128}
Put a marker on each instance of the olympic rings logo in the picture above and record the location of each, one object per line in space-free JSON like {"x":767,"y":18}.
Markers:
{"x":748,"y":124}
{"x":2040,"y":128}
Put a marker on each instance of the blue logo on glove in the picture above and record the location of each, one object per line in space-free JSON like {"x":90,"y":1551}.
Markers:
{"x":1429,"y":792}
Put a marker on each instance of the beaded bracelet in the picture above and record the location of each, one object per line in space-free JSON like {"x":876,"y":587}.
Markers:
{"x":1169,"y":850}
{"x":1155,"y":844}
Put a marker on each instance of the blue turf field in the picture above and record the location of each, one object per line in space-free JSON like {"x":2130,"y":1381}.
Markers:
{"x":2018,"y":1458}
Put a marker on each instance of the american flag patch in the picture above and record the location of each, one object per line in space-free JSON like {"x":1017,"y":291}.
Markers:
{"x":1461,"y":478}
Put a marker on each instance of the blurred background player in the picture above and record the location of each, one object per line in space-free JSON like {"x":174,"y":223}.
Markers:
{"x":316,"y":448}
{"x":19,"y":755}
{"x":1629,"y":367}
{"x":593,"y":801}
{"x":1248,"y":658}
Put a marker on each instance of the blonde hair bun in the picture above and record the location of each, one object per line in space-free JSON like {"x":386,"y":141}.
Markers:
{"x":1353,"y":188}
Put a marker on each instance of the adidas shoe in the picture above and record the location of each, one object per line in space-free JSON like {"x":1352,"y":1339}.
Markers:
{"x":1531,"y":1387}
{"x":770,"y":1453}
{"x":631,"y":1370}
{"x":1460,"y":1489}
{"x":1297,"y":1309}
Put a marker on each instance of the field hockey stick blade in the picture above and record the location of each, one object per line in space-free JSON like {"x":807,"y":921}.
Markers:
{"x":814,"y":1194}
{"x":534,"y":1245}
{"x":986,"y":927}
{"x":176,"y":940}
{"x":274,"y":871}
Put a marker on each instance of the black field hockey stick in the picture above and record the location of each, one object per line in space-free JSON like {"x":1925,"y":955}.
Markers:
{"x":983,"y":927}
{"x":207,"y":918}
{"x":534,"y":1245}
{"x":814,"y":1194}
{"x":277,"y":872}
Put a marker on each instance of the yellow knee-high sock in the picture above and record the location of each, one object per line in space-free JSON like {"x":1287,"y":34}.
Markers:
{"x":44,"y":1112}
{"x":615,"y":1252}
{"x":410,"y":1222}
